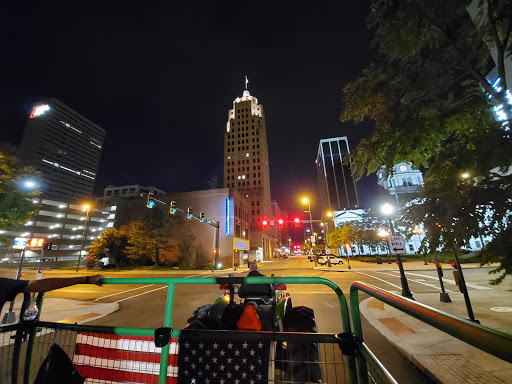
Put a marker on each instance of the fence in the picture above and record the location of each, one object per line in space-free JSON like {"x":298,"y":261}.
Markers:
{"x":117,"y":354}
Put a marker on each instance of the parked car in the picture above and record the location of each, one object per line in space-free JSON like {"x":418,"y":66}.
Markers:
{"x":322,"y":260}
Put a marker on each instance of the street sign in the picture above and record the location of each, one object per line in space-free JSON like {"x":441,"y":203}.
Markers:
{"x":20,"y":243}
{"x":396,"y":245}
{"x":327,"y":251}
{"x":313,"y":239}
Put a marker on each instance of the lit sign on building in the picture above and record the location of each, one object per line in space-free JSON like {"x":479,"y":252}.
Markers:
{"x":19,"y":243}
{"x":36,"y":242}
{"x":227,"y":217}
{"x":241,"y":244}
{"x":39,"y":110}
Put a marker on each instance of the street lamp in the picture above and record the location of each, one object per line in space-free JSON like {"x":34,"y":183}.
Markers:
{"x":305,"y":200}
{"x":88,"y":208}
{"x":387,"y":209}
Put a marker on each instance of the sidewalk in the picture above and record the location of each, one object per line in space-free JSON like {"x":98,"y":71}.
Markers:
{"x":66,"y":311}
{"x":442,"y":358}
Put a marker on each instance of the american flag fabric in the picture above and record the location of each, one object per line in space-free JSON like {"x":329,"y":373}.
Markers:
{"x":115,"y":359}
{"x":222,"y":361}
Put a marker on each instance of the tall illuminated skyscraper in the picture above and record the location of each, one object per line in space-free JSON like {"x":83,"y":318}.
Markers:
{"x":246,"y":166}
{"x":64,"y":147}
{"x":335,"y":180}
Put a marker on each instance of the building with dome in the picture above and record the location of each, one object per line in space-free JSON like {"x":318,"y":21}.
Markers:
{"x":246,"y":169}
{"x":404,"y":182}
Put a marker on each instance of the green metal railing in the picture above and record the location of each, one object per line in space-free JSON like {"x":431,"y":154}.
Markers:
{"x":488,"y":340}
{"x":171,"y":284}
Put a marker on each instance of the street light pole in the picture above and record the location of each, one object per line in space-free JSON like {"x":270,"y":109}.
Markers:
{"x":83,"y":238}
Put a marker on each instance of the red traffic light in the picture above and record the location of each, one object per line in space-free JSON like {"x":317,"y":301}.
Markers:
{"x":280,"y":221}
{"x":264,"y":223}
{"x":297,"y":222}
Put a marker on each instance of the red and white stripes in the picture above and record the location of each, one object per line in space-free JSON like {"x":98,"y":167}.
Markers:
{"x":114,"y":359}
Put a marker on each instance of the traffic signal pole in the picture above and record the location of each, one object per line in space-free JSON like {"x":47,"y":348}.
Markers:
{"x":189,"y":212}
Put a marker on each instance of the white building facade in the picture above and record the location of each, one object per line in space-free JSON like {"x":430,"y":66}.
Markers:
{"x":412,"y":240}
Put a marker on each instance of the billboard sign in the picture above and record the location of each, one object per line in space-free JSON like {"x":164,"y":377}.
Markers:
{"x":39,"y":110}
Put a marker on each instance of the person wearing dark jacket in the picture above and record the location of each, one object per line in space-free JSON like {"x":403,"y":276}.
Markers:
{"x":255,"y":290}
{"x":254,"y":269}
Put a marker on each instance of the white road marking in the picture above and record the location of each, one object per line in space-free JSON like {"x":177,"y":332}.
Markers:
{"x":118,"y":293}
{"x":140,"y":294}
{"x":415,"y":280}
{"x":447,"y":281}
{"x":374,"y":277}
{"x":152,"y":290}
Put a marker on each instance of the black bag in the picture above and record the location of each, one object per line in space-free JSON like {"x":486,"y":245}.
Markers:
{"x":58,"y":368}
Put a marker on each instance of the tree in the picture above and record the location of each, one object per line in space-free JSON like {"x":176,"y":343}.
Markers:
{"x":203,"y":257}
{"x":368,"y":228}
{"x":427,"y":92}
{"x":425,"y":83}
{"x":346,"y":233}
{"x":187,"y":249}
{"x":111,"y":244}
{"x":151,"y":236}
{"x":16,"y":206}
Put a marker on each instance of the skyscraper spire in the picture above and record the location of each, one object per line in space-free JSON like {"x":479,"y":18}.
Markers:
{"x":246,"y":82}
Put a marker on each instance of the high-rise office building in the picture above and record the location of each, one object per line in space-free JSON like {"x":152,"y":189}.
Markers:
{"x":246,"y":166}
{"x":64,"y":147}
{"x":335,"y":180}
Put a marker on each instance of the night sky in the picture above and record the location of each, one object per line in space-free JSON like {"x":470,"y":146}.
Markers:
{"x":161,"y":76}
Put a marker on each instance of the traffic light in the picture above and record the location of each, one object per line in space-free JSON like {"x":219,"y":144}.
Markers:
{"x":172,"y":208}
{"x":190,"y":213}
{"x":264,"y":223}
{"x":297,"y":222}
{"x":280,"y":222}
{"x":151,"y":200}
{"x":201,"y":216}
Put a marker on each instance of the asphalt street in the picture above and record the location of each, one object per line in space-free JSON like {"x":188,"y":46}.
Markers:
{"x":144,"y":305}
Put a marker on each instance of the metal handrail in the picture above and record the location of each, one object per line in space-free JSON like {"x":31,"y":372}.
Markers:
{"x":171,"y":286}
{"x":171,"y":281}
{"x":487,"y":339}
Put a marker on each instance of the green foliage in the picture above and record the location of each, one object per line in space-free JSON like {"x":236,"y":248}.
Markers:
{"x":203,"y":257}
{"x":151,"y":236}
{"x":111,"y":244}
{"x":500,"y":250}
{"x":346,"y":233}
{"x":425,"y":82}
{"x":423,"y":90}
{"x":16,"y":205}
{"x":187,"y":249}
